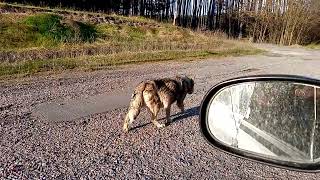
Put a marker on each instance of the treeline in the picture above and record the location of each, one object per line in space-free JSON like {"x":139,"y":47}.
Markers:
{"x":277,"y":21}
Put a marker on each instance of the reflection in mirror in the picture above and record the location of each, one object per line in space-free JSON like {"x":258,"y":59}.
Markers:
{"x":274,"y":119}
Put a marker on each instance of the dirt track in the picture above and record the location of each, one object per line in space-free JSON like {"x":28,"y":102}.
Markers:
{"x":94,"y":146}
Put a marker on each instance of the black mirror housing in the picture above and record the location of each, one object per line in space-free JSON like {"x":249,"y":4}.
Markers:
{"x":305,"y":166}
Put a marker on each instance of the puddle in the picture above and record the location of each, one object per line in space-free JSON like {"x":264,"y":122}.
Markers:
{"x":274,"y":55}
{"x":74,"y":109}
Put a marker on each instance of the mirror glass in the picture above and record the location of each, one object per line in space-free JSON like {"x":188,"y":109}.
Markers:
{"x":275,"y":119}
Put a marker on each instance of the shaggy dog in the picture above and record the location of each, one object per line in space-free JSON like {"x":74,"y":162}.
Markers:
{"x":157,"y":94}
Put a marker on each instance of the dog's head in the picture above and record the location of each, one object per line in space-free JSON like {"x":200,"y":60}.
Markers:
{"x":188,"y":84}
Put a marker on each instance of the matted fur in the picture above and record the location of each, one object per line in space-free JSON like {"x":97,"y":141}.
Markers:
{"x":157,"y":94}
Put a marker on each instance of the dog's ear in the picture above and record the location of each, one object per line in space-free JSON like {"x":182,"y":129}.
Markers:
{"x":191,"y":78}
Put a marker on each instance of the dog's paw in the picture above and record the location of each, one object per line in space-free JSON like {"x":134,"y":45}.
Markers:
{"x":168,"y":123}
{"x":125,"y":129}
{"x":161,"y":125}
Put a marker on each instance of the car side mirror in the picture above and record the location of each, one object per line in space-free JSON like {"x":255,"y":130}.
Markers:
{"x":270,"y":119}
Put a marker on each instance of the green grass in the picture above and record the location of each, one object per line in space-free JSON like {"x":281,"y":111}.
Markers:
{"x":49,"y":26}
{"x":42,"y":30}
{"x":37,"y":35}
{"x":105,"y":61}
{"x":36,"y":38}
{"x":49,"y":30}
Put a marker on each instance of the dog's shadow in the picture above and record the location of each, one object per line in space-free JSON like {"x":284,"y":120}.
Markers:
{"x":177,"y":117}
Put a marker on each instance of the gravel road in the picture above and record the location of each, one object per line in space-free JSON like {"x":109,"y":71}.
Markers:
{"x":94,"y":146}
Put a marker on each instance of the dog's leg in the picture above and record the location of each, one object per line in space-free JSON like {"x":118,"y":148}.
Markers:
{"x":152,"y":101}
{"x":130,"y":117}
{"x":126,"y":123}
{"x":168,"y":109}
{"x":154,"y":111}
{"x":136,"y":104}
{"x":181,"y":106}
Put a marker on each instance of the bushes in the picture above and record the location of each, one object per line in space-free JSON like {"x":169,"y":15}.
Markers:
{"x":49,"y":26}
{"x":54,"y":27}
{"x":42,"y":30}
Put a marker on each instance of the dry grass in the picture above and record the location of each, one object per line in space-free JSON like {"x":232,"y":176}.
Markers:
{"x":314,"y":46}
{"x":106,"y":61}
{"x":26,"y":37}
{"x":75,"y":14}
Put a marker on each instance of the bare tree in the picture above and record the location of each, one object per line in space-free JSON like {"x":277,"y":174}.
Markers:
{"x":276,"y":21}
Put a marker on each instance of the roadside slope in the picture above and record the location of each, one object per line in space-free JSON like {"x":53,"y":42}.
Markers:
{"x":36,"y":40}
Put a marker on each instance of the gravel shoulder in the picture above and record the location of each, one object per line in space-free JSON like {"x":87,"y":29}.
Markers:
{"x":94,"y":145}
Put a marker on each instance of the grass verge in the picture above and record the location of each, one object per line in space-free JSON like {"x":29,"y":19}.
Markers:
{"x":35,"y":40}
{"x":25,"y":68}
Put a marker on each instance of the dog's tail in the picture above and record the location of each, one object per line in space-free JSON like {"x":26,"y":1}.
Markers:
{"x":136,"y":103}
